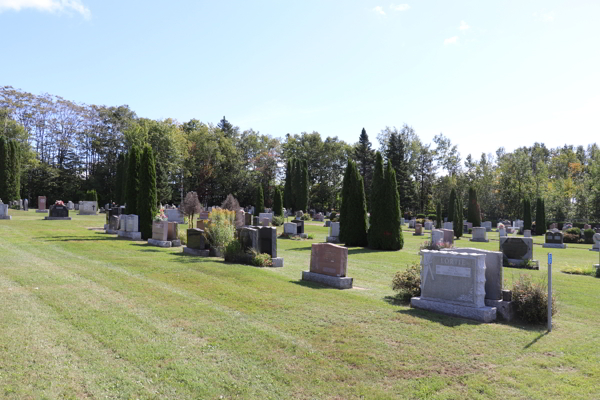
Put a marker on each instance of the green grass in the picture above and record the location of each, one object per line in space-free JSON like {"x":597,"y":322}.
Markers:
{"x":85,"y":315}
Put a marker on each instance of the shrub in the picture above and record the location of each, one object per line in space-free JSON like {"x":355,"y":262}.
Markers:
{"x":570,"y":238}
{"x":91,"y":195}
{"x":408,"y":282}
{"x":530,"y":300}
{"x":230,"y":203}
{"x":305,"y":217}
{"x":420,"y":216}
{"x":233,"y":251}
{"x":261,"y":260}
{"x":277,"y":220}
{"x":221,"y":230}
{"x":310,"y":236}
{"x":182,"y":236}
{"x":191,"y":206}
{"x":432,"y":217}
{"x":589,"y":236}
{"x":598,"y":272}
{"x":574,"y":231}
{"x":332,"y":215}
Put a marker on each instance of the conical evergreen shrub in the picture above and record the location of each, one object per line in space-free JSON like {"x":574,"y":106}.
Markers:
{"x":278,"y":202}
{"x":451,"y":205}
{"x":260,"y":201}
{"x":147,"y":202}
{"x":392,"y":234}
{"x":540,"y":217}
{"x":378,"y":216}
{"x":133,"y":180}
{"x":353,"y":212}
{"x":526,"y":214}
{"x":438,"y":215}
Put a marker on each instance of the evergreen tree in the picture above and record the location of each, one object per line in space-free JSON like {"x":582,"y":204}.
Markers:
{"x":474,"y":212}
{"x":458,"y":220}
{"x":260,"y":201}
{"x":305,"y":192}
{"x":378,"y":216}
{"x":4,"y":169}
{"x":353,"y":225}
{"x":91,"y":195}
{"x":287,"y":191}
{"x":147,"y":203}
{"x":14,"y":181}
{"x":364,"y":156}
{"x":526,"y":214}
{"x":164,"y":190}
{"x":297,"y":184}
{"x":393,"y":238}
{"x":540,"y":217}
{"x":119,"y":179}
{"x":278,"y":202}
{"x":451,"y":206}
{"x":396,"y":154}
{"x":226,"y":127}
{"x":123,"y":198}
{"x":438,"y":215}
{"x":133,"y":180}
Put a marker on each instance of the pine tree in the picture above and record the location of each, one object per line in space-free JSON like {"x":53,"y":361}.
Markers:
{"x":297,"y":184}
{"x":396,"y":153}
{"x":287,"y":191}
{"x":123,"y":198}
{"x":458,"y":221}
{"x":147,"y":203}
{"x":473,"y":213}
{"x":365,"y":161}
{"x":260,"y":201}
{"x":119,"y":178}
{"x":526,"y":214}
{"x":14,"y":156}
{"x":3,"y":169}
{"x":304,"y":195}
{"x":226,"y":127}
{"x":164,"y":190}
{"x":540,"y":217}
{"x":353,"y":225}
{"x":278,"y":202}
{"x":451,"y":206}
{"x":393,"y":238}
{"x":133,"y":180}
{"x":438,"y":215}
{"x":378,"y":216}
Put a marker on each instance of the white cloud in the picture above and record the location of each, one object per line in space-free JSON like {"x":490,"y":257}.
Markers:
{"x":53,"y":6}
{"x":463,"y":26}
{"x":452,"y":40}
{"x":379,"y":10}
{"x":399,"y":7}
{"x":546,"y":17}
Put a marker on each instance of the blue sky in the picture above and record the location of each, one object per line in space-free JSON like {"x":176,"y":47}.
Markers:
{"x":486,"y":74}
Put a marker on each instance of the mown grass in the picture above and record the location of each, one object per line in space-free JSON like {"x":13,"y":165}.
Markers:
{"x":85,"y":315}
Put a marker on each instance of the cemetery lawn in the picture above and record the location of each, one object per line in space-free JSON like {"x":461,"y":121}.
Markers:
{"x":86,"y":315}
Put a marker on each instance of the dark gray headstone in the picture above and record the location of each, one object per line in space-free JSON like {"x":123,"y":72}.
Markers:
{"x":59,"y":211}
{"x":514,"y":248}
{"x":554,"y":237}
{"x":300,"y":224}
{"x":195,"y":239}
{"x":249,"y":239}
{"x":268,"y":241}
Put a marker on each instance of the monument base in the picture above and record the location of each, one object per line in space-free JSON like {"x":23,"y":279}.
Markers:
{"x":504,"y":309}
{"x":594,"y":249}
{"x":481,"y":314}
{"x":111,"y":232}
{"x":332,"y":239}
{"x":333,"y":281}
{"x":130,"y":235}
{"x":277,"y":262}
{"x":6,"y":217}
{"x":87,"y":213}
{"x":164,"y":243}
{"x":42,"y":211}
{"x":480,"y":240}
{"x":57,"y":218}
{"x":196,"y":252}
{"x":418,"y":234}
{"x":555,"y":245}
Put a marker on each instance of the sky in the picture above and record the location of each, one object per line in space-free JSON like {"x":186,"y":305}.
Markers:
{"x":486,"y":74}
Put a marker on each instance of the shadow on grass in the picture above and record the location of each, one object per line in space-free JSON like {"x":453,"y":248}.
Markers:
{"x":300,"y":249}
{"x":397,"y":300}
{"x":534,"y":341}
{"x":443,"y":319}
{"x":74,"y":238}
{"x":313,"y":285}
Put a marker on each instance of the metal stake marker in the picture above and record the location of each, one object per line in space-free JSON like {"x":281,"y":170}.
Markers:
{"x":549,"y":292}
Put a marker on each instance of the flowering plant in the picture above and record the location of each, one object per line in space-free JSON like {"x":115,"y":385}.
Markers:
{"x":161,"y":216}
{"x":500,"y":225}
{"x":59,"y":203}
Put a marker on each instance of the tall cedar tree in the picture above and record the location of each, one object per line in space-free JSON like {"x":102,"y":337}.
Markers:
{"x":4,"y":172}
{"x":147,"y":200}
{"x":457,"y":222}
{"x":164,"y":191}
{"x":123,"y":198}
{"x":438,"y":215}
{"x":396,"y":155}
{"x":393,"y":238}
{"x":540,"y":217}
{"x":364,"y":156}
{"x":461,"y":213}
{"x":353,"y":213}
{"x":287,"y":190}
{"x":304,"y":196}
{"x":278,"y":202}
{"x":526,"y":214}
{"x":451,"y":206}
{"x":119,"y":178}
{"x":14,"y":155}
{"x":474,"y":212}
{"x":378,"y":216}
{"x":297,"y":184}
{"x":133,"y":180}
{"x":260,"y":201}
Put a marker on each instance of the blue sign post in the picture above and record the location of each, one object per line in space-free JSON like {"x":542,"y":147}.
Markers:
{"x":549,"y":292}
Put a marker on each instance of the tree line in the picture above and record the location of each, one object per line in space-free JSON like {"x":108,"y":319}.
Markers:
{"x":67,"y":148}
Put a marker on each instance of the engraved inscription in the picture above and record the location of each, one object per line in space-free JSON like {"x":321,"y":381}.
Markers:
{"x":453,"y":271}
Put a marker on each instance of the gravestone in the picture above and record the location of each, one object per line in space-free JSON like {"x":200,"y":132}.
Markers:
{"x":554,"y":240}
{"x":596,"y":246}
{"x":195,"y":239}
{"x":412,"y":223}
{"x":334,"y":233}
{"x":58,"y":213}
{"x":265,"y":221}
{"x":88,"y":208}
{"x":418,"y":230}
{"x":454,"y":283}
{"x":70,"y":205}
{"x":437,"y":236}
{"x":26,"y":205}
{"x":268,"y":241}
{"x":269,"y":216}
{"x":402,"y":221}
{"x":479,"y":235}
{"x":299,"y":214}
{"x":41,"y":205}
{"x":164,"y":234}
{"x":203,"y":215}
{"x":113,"y":224}
{"x":448,"y":236}
{"x":449,"y":225}
{"x":327,"y":224}
{"x":467,"y":226}
{"x":487,"y":225}
{"x":4,"y":211}
{"x":319,"y":217}
{"x":527,"y":233}
{"x":174,"y":215}
{"x":21,"y":204}
{"x":300,"y":226}
{"x":328,"y":265}
{"x":240,"y":219}
{"x":248,"y":219}
{"x":290,"y":228}
{"x":249,"y":239}
{"x":516,"y":249}
{"x":493,"y":272}
{"x":428,"y":225}
{"x":129,"y":227}
{"x":502,"y":232}
{"x":160,"y":230}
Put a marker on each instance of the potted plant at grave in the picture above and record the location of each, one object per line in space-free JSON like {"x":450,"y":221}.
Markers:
{"x":59,"y":203}
{"x":160,"y":216}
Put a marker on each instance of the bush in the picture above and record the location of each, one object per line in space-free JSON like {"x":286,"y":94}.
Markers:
{"x":530,"y":300}
{"x":182,"y":236}
{"x":310,"y":236}
{"x":574,"y":231}
{"x":598,"y":272}
{"x":91,"y":195}
{"x":233,"y":251}
{"x":571,"y":238}
{"x":332,"y":216}
{"x":305,"y":217}
{"x":432,"y":217}
{"x":261,"y":260}
{"x":436,"y":246}
{"x":277,"y":220}
{"x":230,"y":203}
{"x":408,"y":282}
{"x":420,"y":216}
{"x":589,"y":236}
{"x":221,"y":230}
